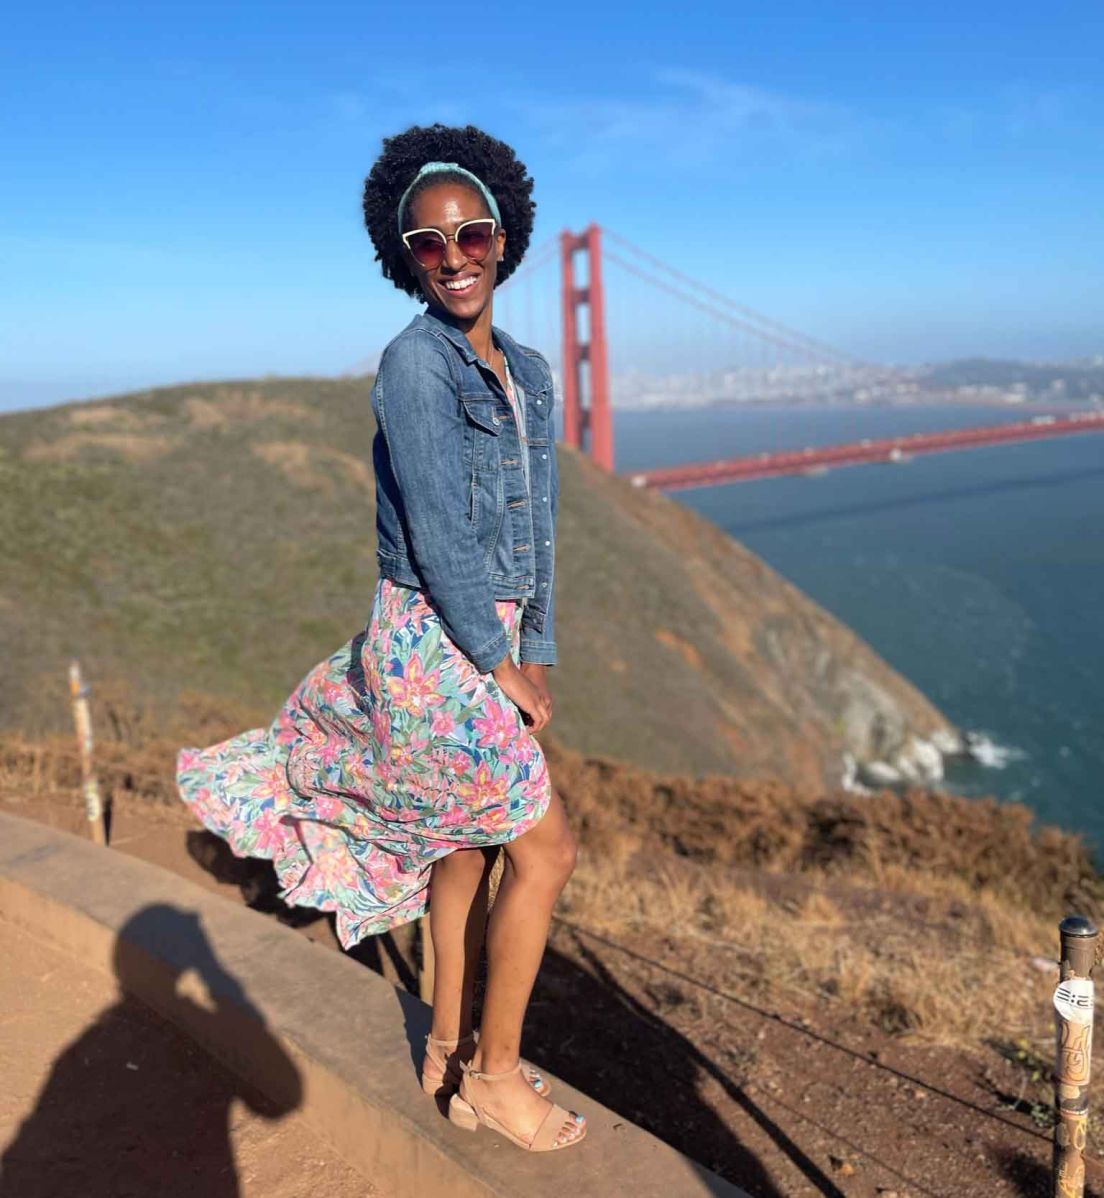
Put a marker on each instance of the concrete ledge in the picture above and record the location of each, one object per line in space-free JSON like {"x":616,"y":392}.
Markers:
{"x":308,"y":1027}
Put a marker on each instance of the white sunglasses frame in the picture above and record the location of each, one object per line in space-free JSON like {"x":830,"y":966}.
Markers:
{"x":447,"y":237}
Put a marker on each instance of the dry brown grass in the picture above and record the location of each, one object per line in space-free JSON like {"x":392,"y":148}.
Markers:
{"x":133,"y":447}
{"x":231,"y":405}
{"x":925,"y":981}
{"x":134,"y":753}
{"x":315,"y":467}
{"x":916,"y":842}
{"x":121,"y":418}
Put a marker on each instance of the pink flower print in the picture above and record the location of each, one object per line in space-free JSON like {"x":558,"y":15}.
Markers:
{"x":333,"y":694}
{"x":483,"y":789}
{"x":517,"y":752}
{"x":327,"y":807}
{"x":236,"y":768}
{"x":453,"y":817}
{"x":460,"y":763}
{"x":271,"y":833}
{"x":329,"y":752}
{"x":392,"y":604}
{"x":443,"y":722}
{"x":381,"y":724}
{"x":188,"y":759}
{"x":536,"y":788}
{"x":498,"y":728}
{"x":288,"y":734}
{"x":417,"y":691}
{"x":405,"y":753}
{"x":272,"y":783}
{"x":385,"y":773}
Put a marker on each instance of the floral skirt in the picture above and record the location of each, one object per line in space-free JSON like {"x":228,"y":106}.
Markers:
{"x":391,"y":753}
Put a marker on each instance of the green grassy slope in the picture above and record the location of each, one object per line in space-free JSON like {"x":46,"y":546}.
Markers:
{"x":220,"y":538}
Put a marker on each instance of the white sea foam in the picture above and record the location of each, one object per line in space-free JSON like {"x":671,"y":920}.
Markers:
{"x":985,"y":751}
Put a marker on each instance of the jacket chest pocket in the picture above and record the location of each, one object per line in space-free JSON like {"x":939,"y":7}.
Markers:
{"x":484,"y":428}
{"x":486,"y":501}
{"x":538,"y":416}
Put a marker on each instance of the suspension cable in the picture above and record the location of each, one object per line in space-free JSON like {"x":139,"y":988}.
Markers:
{"x":749,"y":314}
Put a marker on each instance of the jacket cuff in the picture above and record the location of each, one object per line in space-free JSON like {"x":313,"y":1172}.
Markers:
{"x":539,"y":652}
{"x":488,"y":655}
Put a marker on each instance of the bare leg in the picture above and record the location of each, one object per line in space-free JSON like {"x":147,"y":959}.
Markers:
{"x":538,"y":865}
{"x":457,"y":918}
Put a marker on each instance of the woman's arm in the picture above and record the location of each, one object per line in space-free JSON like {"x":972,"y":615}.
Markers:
{"x":419,"y":415}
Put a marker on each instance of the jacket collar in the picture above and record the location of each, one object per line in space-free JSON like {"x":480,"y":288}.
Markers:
{"x":523,"y":366}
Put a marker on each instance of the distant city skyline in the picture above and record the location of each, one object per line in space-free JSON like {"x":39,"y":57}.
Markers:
{"x":182,"y":183}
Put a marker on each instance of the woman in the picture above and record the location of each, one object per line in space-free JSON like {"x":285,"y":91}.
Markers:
{"x":398,"y":766}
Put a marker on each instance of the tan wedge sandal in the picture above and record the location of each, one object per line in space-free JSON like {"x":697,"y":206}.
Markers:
{"x":441,"y":1068}
{"x":465,"y":1111}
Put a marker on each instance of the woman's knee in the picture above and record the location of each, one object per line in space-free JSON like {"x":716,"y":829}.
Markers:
{"x":567,"y":853}
{"x":545,"y":855}
{"x":553,"y":862}
{"x":468,"y":864}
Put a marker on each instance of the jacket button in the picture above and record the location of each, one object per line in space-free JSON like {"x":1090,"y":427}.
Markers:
{"x":544,"y":455}
{"x":540,"y":401}
{"x":548,"y":542}
{"x":545,"y":498}
{"x":495,"y":420}
{"x":544,"y":584}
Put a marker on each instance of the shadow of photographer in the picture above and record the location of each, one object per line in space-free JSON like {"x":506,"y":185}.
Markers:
{"x":132,"y":1106}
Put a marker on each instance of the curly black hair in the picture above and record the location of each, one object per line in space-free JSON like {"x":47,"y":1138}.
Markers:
{"x":489,"y":159}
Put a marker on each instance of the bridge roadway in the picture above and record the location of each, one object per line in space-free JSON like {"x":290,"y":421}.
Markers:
{"x":814,"y":460}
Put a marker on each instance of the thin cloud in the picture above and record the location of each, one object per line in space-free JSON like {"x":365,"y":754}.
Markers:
{"x":694,"y":120}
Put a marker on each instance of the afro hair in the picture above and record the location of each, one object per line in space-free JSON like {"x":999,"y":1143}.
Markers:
{"x":489,"y":159}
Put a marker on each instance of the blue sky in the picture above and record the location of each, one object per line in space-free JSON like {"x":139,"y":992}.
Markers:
{"x":181,"y":183}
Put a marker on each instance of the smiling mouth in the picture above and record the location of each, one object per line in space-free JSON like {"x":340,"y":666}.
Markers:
{"x":459,"y":286}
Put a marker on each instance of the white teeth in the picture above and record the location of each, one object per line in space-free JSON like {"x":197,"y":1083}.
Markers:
{"x":461,"y":284}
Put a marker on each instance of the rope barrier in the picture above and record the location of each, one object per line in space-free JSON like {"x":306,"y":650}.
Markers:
{"x":737,"y":1000}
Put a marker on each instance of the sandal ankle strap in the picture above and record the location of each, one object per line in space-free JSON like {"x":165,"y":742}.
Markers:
{"x":466,"y":1066}
{"x":449,"y":1043}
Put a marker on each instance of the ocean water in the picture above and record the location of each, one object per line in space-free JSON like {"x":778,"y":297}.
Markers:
{"x":979,"y":575}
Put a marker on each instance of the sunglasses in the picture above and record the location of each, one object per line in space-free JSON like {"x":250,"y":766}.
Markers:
{"x":473,"y":237}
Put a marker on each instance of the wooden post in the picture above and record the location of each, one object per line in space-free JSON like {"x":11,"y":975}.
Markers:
{"x":1073,"y":1005}
{"x":425,"y":974}
{"x":82,"y":717}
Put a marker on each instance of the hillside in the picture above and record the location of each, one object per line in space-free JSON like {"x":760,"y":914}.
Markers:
{"x":218,"y":539}
{"x":1055,"y":380}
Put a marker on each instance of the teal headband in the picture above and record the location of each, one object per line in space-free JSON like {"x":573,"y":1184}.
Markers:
{"x":455,"y":168}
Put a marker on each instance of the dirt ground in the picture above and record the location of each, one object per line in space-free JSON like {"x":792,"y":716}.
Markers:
{"x":102,"y":1097}
{"x":782,"y":1093}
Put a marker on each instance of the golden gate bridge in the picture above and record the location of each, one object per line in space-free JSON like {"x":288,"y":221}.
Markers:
{"x":766,"y":361}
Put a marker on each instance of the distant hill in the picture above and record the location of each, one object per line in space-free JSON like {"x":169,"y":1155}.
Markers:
{"x":219,"y":539}
{"x":1051,"y":380}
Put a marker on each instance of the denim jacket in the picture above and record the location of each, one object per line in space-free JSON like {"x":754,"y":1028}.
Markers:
{"x":453,"y":515}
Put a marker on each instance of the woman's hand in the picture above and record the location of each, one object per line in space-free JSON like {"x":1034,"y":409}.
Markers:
{"x":527,"y":688}
{"x":538,"y":676}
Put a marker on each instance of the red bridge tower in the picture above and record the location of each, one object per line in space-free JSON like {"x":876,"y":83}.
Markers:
{"x":594,"y":419}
